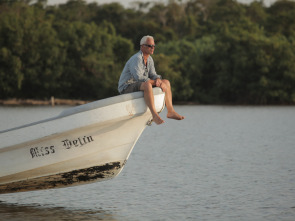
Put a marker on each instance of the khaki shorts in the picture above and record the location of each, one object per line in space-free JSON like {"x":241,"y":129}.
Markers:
{"x":132,"y":88}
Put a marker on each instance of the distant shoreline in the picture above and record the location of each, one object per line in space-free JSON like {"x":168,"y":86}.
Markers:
{"x":50,"y":102}
{"x":74,"y":102}
{"x":56,"y":102}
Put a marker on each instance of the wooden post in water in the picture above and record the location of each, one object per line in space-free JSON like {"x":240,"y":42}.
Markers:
{"x":52,"y":101}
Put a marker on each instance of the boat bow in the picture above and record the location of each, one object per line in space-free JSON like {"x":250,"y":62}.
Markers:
{"x":83,"y":144}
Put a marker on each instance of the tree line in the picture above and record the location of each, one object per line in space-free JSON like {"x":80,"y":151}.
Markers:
{"x":212,"y":51}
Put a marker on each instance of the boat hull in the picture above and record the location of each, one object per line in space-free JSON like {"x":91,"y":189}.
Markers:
{"x":66,"y":179}
{"x":82,"y":145}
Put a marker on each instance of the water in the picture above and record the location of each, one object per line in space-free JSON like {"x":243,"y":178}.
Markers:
{"x":220,"y":163}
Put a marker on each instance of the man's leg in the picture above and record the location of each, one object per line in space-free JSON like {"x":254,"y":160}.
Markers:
{"x":147,"y":89}
{"x":171,"y":113}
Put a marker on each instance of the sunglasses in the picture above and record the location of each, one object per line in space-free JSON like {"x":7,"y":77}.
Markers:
{"x":150,"y":46}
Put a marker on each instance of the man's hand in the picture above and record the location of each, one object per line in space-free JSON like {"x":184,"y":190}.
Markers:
{"x":158,"y":82}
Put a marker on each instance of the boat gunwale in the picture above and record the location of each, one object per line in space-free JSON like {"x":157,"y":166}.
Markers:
{"x":88,"y":107}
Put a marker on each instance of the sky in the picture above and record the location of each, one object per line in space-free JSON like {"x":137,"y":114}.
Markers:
{"x":128,"y":3}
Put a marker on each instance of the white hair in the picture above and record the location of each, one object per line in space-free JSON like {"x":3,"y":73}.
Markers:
{"x":145,"y":38}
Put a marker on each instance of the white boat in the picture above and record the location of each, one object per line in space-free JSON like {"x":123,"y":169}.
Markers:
{"x":83,"y":144}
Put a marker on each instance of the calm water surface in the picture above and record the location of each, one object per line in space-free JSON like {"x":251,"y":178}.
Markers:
{"x":220,"y":163}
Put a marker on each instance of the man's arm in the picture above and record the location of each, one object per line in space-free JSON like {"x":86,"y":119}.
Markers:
{"x":152,"y":71}
{"x":137,"y":70}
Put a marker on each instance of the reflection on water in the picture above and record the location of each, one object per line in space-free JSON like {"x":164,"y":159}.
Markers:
{"x":17,"y":212}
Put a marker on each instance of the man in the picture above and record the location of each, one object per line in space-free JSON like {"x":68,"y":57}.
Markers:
{"x":139,"y":74}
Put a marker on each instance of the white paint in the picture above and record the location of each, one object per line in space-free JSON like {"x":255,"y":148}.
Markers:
{"x":89,"y":135}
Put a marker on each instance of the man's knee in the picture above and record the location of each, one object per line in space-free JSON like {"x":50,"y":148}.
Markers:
{"x":146,"y":86}
{"x":166,"y":82}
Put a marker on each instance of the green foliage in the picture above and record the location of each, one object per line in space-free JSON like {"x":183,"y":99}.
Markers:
{"x":31,"y":54}
{"x":92,"y":65}
{"x":282,"y":19}
{"x":212,"y":51}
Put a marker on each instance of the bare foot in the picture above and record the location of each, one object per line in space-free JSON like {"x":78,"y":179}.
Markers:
{"x":157,"y":119}
{"x":174,"y":115}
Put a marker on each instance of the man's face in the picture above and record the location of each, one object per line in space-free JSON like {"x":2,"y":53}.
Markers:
{"x":148,"y":47}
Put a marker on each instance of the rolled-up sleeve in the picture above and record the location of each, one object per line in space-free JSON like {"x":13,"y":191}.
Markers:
{"x":152,"y":71}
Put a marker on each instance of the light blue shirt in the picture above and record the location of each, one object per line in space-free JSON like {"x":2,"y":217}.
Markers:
{"x":136,"y":71}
